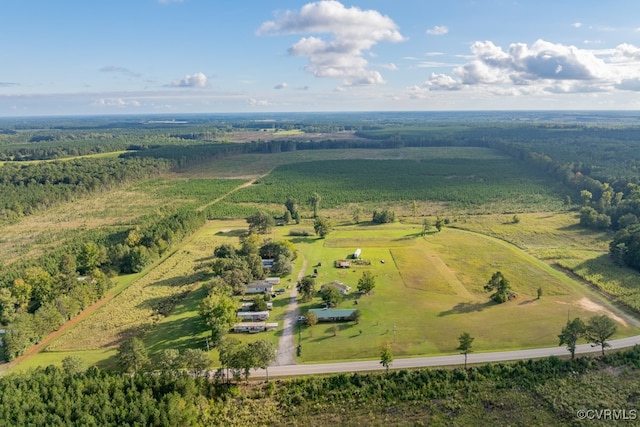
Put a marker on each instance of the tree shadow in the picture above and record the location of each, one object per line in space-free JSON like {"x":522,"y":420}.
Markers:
{"x":109,"y":364}
{"x":466,"y":307}
{"x":183,"y":280}
{"x":179,"y":334}
{"x":239,"y":232}
{"x":300,"y":239}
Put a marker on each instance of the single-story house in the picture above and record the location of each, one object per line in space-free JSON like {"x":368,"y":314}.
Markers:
{"x":344,"y":289}
{"x":246,"y":306}
{"x":333,"y":314}
{"x":342,"y":264}
{"x":253,"y":327}
{"x":259,"y":287}
{"x":253,"y":316}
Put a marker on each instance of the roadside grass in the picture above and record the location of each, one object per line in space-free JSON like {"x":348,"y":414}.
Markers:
{"x":103,"y":358}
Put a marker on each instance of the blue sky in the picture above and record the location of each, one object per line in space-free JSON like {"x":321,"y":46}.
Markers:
{"x":204,"y":56}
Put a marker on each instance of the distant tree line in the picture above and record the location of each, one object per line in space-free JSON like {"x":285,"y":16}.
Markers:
{"x":26,"y":188}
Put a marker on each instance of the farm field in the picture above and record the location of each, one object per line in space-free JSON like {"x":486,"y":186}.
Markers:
{"x":429,"y":289}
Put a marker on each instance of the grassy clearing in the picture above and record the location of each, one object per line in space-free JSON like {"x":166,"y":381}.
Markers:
{"x":114,"y":210}
{"x":143,"y":303}
{"x":418,"y":317}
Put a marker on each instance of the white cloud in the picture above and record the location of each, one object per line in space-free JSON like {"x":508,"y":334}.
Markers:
{"x":118,"y":70}
{"x":282,"y":85}
{"x":628,"y":51}
{"x":258,"y":102}
{"x":541,"y":68}
{"x":197,"y":80}
{"x":438,"y":30}
{"x":576,"y":24}
{"x":391,"y":66}
{"x":352,"y":32}
{"x":116,"y":102}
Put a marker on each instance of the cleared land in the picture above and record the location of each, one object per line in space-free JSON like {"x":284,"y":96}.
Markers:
{"x":429,"y":289}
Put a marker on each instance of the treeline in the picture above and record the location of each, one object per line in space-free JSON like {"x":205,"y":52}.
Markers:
{"x":509,"y":392}
{"x":54,"y":396}
{"x":28,"y":188}
{"x":38,"y":299}
{"x":605,"y":205}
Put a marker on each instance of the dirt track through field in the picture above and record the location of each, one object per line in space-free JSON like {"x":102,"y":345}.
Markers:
{"x":450,"y":277}
{"x":37,"y":348}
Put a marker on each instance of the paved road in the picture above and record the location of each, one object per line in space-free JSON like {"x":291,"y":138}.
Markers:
{"x":421,"y":362}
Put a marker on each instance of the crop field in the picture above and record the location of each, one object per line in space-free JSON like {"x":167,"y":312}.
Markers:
{"x":471,"y":185}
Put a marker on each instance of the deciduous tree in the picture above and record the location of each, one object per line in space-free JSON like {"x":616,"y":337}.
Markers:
{"x":500,"y":285}
{"x":386,"y":357}
{"x":132,"y":355}
{"x":322,"y":226}
{"x":331,"y":295}
{"x":571,"y":333}
{"x":307,"y":287}
{"x":465,"y":340}
{"x":260,"y":222}
{"x":366,"y":283}
{"x":599,"y":330}
{"x":219,"y":311}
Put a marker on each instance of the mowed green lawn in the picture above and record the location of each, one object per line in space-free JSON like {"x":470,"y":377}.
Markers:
{"x":430,"y":289}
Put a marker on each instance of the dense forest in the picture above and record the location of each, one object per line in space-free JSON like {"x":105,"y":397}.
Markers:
{"x":542,"y":392}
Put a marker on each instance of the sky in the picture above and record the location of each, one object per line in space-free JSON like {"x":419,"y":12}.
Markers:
{"x":92,"y":57}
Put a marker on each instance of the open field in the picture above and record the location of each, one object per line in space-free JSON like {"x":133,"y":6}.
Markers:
{"x":429,"y":289}
{"x":115,"y":210}
{"x":419,"y":316}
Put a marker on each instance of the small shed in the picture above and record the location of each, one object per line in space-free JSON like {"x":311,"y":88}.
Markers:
{"x":357,"y":253}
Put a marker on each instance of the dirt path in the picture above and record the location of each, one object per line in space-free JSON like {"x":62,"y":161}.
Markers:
{"x":37,"y":348}
{"x":286,"y":346}
{"x":450,"y":277}
{"x":56,"y":334}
